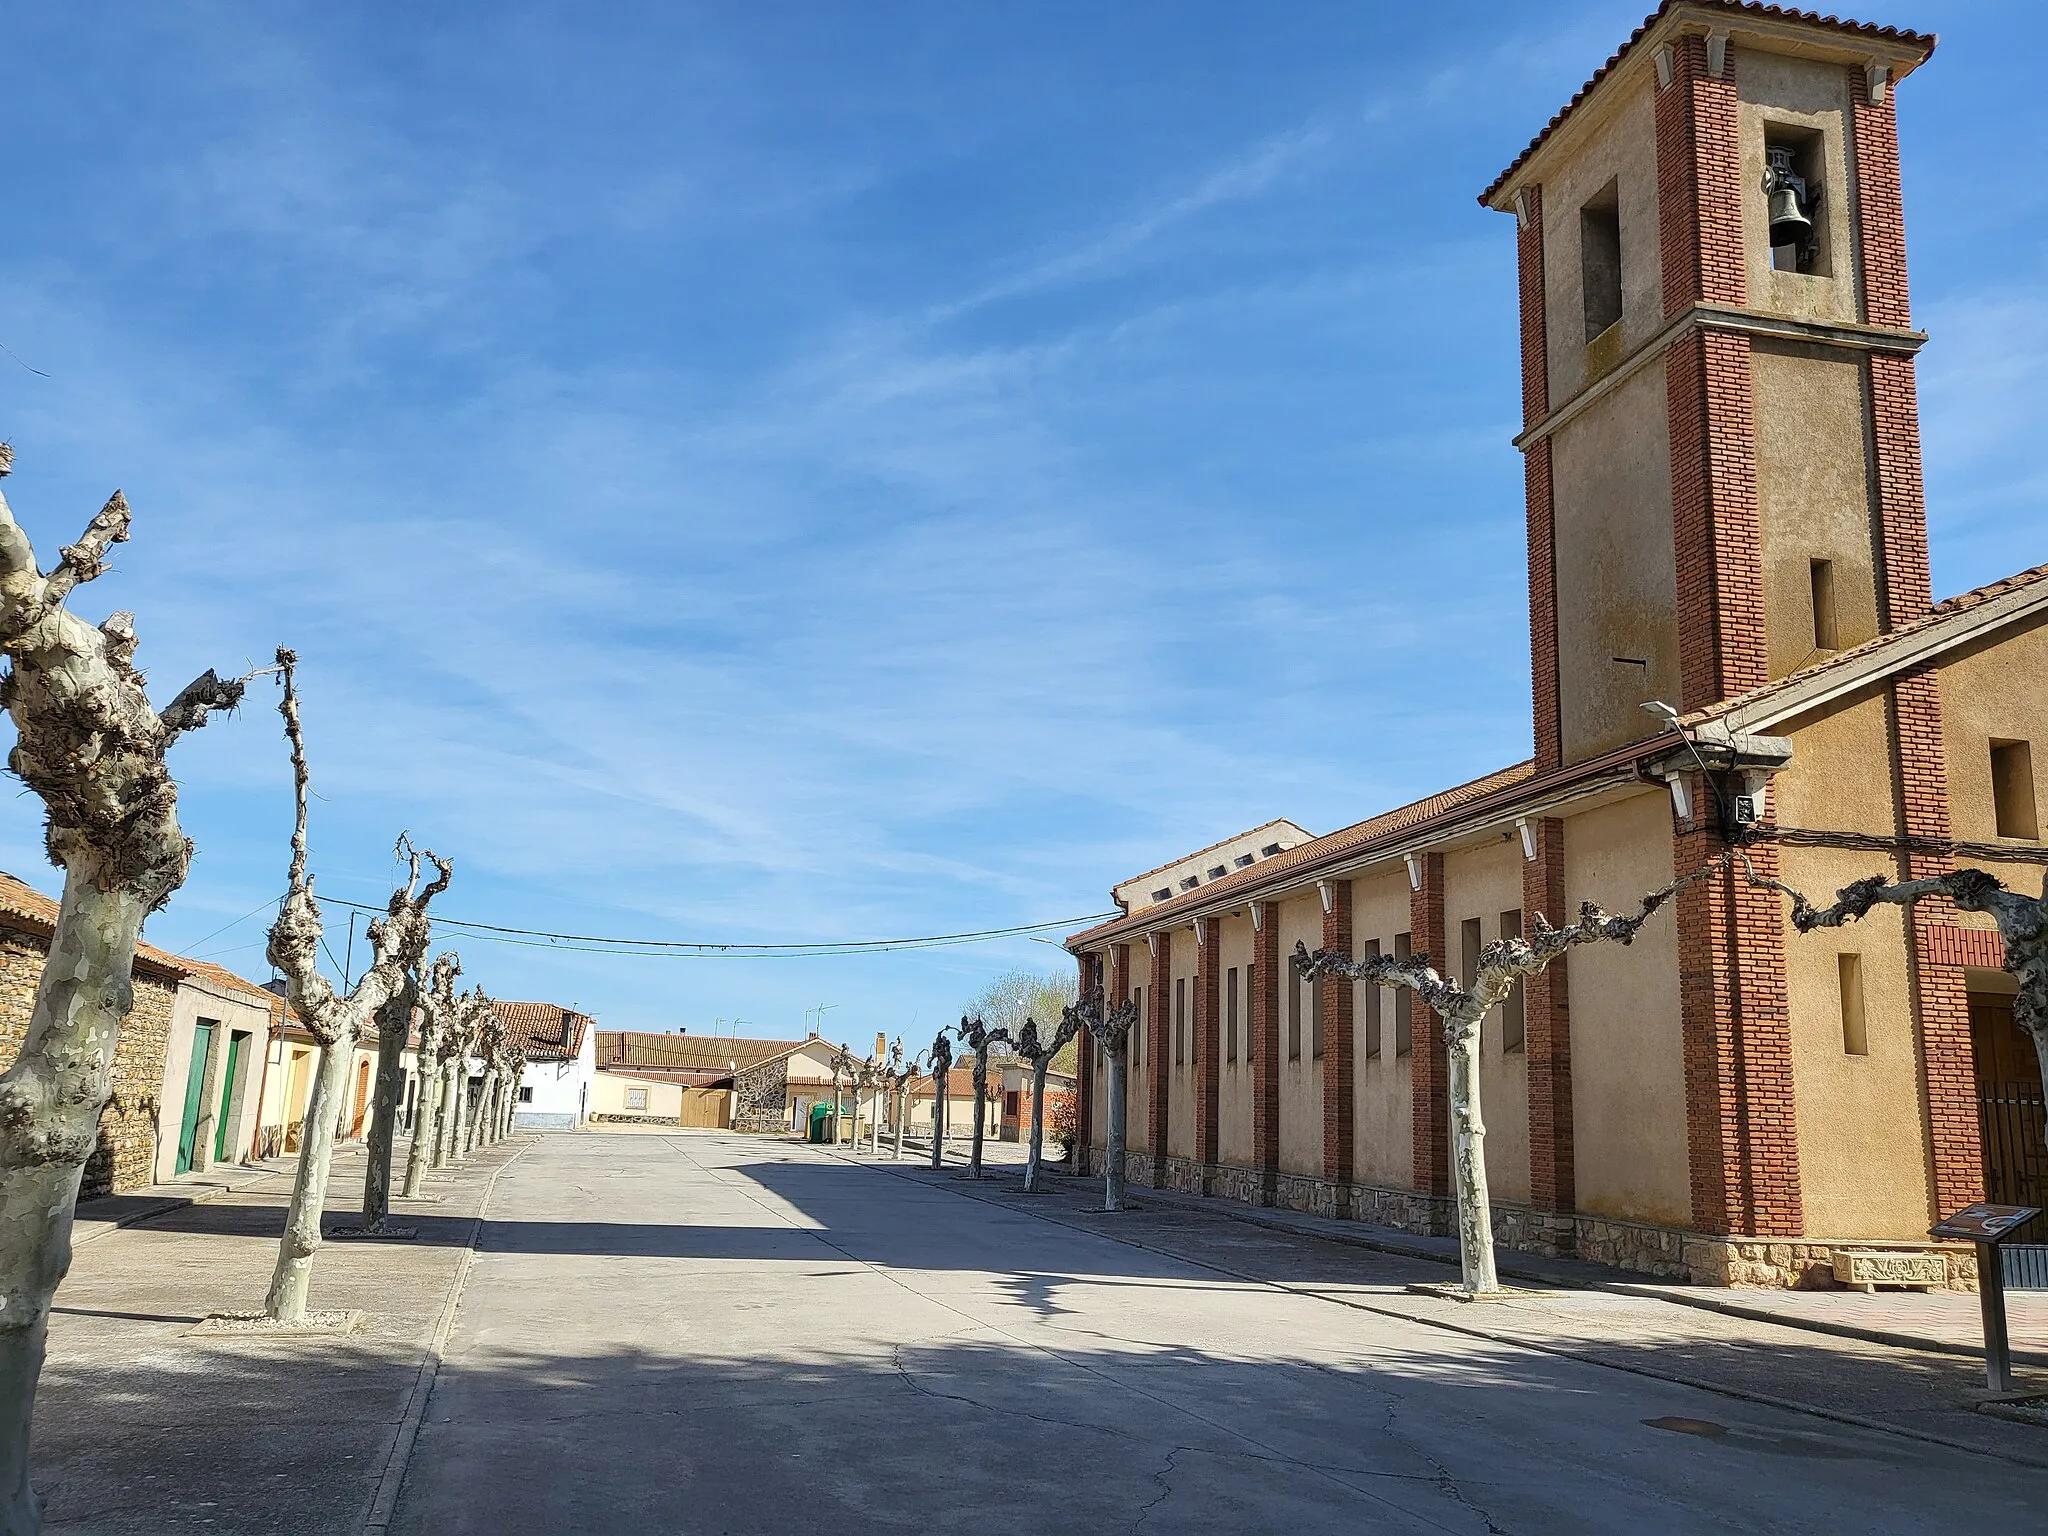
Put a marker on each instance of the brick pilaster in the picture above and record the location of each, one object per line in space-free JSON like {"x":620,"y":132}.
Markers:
{"x":1941,"y":1002}
{"x":1120,"y":992}
{"x":1159,"y":1050}
{"x":1208,"y":1041}
{"x":1265,"y":1042}
{"x":1880,"y":205}
{"x":1699,"y":182}
{"x":1716,"y":531}
{"x":1089,"y":981}
{"x":1536,"y":475}
{"x":1547,"y":1030}
{"x":1742,"y":1142}
{"x":1340,"y":1045}
{"x":1429,"y":1063}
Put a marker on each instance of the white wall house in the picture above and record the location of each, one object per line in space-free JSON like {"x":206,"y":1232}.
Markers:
{"x":561,"y":1063}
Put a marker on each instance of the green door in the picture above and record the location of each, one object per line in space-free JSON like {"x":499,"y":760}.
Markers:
{"x":195,"y":1094}
{"x":227,"y":1096}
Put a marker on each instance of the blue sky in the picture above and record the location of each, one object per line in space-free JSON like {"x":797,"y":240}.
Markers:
{"x":806,"y":471}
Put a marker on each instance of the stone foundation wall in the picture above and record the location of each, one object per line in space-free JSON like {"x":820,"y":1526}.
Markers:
{"x":124,"y":1155}
{"x":1656,"y":1252}
{"x":675,"y":1120}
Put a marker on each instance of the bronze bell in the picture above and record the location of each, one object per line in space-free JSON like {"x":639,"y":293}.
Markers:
{"x":1785,"y":199}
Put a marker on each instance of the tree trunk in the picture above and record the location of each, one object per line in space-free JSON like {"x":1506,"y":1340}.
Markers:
{"x":458,"y":1139}
{"x":54,"y":1093}
{"x":1037,"y":1123}
{"x":384,"y":1117}
{"x":877,"y":1111}
{"x":980,"y":1115}
{"x":902,"y":1114}
{"x":1115,"y":1112}
{"x":426,"y":1120}
{"x":1468,"y":1157}
{"x":939,"y":1121}
{"x":290,"y":1282}
{"x":444,"y":1114}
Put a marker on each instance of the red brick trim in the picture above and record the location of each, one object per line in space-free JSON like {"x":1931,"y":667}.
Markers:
{"x":1980,"y":948}
{"x":1741,"y":1138}
{"x":1090,"y":980}
{"x":1535,"y":320}
{"x":1543,"y":680}
{"x":1941,"y":1001}
{"x":1429,"y":1063}
{"x":1208,"y":1040}
{"x":1716,"y":530}
{"x":1159,"y":1049}
{"x":1880,"y":205}
{"x":1120,"y":992}
{"x":1547,"y":1026}
{"x":1905,"y":587}
{"x":1340,"y":1045}
{"x":1699,"y":183}
{"x":1265,"y":1040}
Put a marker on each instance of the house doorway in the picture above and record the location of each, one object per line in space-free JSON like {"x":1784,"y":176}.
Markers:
{"x":2012,"y":1108}
{"x":195,"y":1095}
{"x":230,"y":1083}
{"x":355,"y":1121}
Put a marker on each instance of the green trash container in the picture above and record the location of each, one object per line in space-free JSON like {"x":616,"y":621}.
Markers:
{"x":821,"y":1120}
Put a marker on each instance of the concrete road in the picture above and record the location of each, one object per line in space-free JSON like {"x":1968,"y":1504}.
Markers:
{"x":703,"y":1333}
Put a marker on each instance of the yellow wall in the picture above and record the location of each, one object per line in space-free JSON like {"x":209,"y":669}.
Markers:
{"x":1617,"y":580}
{"x":1484,"y":882}
{"x":1840,"y":776}
{"x":1813,"y":496}
{"x":1628,"y":1060}
{"x":1180,"y":1126}
{"x":1301,"y":1082}
{"x":1381,"y":1087}
{"x":1234,"y":1081}
{"x":1995,"y":694}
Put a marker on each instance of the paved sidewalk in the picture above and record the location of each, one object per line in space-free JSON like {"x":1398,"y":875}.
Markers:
{"x":142,"y":1429}
{"x":1915,"y":1391}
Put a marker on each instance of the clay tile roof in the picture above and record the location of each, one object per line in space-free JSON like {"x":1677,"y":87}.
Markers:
{"x":959,"y":1083}
{"x":630,"y":1049}
{"x":1924,"y":41}
{"x":548,"y":1031}
{"x":1344,"y":840}
{"x":1856,"y":656}
{"x":23,"y":906}
{"x":221,"y":976}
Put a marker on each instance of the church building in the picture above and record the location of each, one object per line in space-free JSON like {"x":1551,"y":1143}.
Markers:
{"x":1734,"y":640}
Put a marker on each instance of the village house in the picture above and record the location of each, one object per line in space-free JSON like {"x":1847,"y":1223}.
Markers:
{"x":561,"y":1062}
{"x":725,"y":1082}
{"x":1725,"y":516}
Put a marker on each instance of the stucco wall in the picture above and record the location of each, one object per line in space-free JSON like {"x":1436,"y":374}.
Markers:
{"x":1778,"y":90}
{"x":1624,"y":151}
{"x":198,"y":998}
{"x":1381,"y":1086}
{"x":1862,"y":1137}
{"x":1484,"y":882}
{"x":1234,"y":1081}
{"x":1840,"y":776}
{"x":1994,"y":693}
{"x":1301,"y":1081}
{"x":1617,"y":583}
{"x":1813,"y":495}
{"x":608,"y":1096}
{"x":1180,"y":1124}
{"x":1628,"y":1060}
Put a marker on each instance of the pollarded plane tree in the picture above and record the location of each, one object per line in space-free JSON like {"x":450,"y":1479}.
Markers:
{"x":470,"y":1012}
{"x":1462,"y":1008}
{"x":435,"y":992}
{"x":1040,"y":1054}
{"x":2022,"y":926}
{"x":93,"y":749}
{"x":336,"y":1020}
{"x":490,"y":1045}
{"x":515,"y":1070}
{"x":942,"y":1071}
{"x":842,"y":1064}
{"x":901,"y":1071}
{"x":1110,"y":1028}
{"x":979,"y":1038}
{"x":394,"y":1032}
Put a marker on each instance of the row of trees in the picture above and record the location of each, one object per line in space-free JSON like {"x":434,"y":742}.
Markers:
{"x":2022,"y":925}
{"x":94,"y":750}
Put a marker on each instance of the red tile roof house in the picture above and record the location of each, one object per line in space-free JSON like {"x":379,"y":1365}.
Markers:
{"x":561,"y":1060}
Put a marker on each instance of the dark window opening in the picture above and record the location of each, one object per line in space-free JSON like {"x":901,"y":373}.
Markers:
{"x":1230,"y":1014}
{"x":1180,"y":1021}
{"x":1513,"y":1026}
{"x":1315,"y":1019}
{"x":2012,"y":789}
{"x":1855,"y":1033}
{"x":1826,"y":636}
{"x":1371,"y":1003}
{"x":1404,"y":1002}
{"x":1293,"y":1009}
{"x":1600,"y":260}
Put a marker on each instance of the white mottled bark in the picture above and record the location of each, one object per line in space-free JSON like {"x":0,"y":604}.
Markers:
{"x":942,"y":1068}
{"x":979,"y":1038}
{"x":1040,"y":1054}
{"x":434,"y":996}
{"x":394,"y":1029}
{"x":397,"y":941}
{"x":1461,"y":1009}
{"x":93,"y":750}
{"x":1110,"y":1028}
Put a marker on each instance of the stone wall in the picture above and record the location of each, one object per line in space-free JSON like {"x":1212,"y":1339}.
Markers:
{"x":763,"y":1094}
{"x":125,"y":1154}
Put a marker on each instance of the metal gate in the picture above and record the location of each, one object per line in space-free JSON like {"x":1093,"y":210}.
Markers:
{"x":2015,"y":1122}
